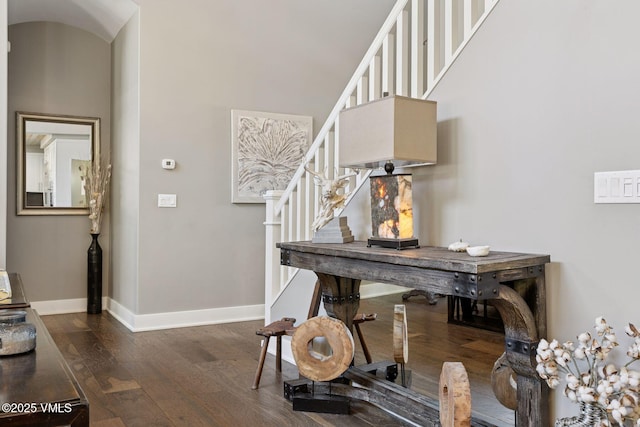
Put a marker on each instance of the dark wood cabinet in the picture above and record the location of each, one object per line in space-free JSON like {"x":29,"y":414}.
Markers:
{"x":38,"y":388}
{"x":18,"y":298}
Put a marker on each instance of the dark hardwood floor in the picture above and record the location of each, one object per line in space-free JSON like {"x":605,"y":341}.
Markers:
{"x":201,"y":376}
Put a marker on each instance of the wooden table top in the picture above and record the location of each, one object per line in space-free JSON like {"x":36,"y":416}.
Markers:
{"x":428,"y":257}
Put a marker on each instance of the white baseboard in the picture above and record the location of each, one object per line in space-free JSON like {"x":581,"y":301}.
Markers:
{"x":149,"y":322}
{"x":183,"y":319}
{"x":63,"y":306}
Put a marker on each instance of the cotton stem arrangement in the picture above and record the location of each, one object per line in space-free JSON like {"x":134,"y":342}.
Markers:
{"x":589,"y":378}
{"x":96,"y":188}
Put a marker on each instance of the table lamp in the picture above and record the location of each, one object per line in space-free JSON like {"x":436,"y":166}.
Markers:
{"x":390,"y":132}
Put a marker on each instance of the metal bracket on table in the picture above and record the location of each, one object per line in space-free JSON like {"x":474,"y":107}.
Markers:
{"x":331,"y":299}
{"x":475,"y":286}
{"x":285,"y":257}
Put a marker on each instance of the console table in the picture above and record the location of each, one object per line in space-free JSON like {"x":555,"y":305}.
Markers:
{"x":341,"y":267}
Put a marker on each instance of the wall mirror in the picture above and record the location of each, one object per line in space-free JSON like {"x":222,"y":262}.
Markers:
{"x":52,"y":153}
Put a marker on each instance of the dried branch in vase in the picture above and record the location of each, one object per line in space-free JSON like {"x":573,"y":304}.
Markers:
{"x":96,"y":188}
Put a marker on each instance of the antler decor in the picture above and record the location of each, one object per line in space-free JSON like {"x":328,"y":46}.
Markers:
{"x":330,"y":198}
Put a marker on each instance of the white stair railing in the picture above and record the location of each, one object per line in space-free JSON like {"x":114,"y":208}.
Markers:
{"x":417,"y":43}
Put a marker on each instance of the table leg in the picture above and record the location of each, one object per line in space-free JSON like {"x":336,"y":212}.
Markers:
{"x":341,"y":297}
{"x":521,"y":336}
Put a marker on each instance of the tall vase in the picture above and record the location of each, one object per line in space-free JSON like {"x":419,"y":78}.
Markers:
{"x":94,"y":276}
{"x":590,"y":415}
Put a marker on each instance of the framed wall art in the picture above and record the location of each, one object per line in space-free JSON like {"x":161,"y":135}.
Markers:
{"x":266,"y":150}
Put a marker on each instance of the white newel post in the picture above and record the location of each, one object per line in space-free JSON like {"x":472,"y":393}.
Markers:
{"x":272,"y":225}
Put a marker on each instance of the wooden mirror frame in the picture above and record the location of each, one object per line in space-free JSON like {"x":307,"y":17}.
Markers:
{"x":21,"y":196}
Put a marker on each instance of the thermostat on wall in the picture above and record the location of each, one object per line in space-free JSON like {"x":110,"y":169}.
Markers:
{"x":168,"y":164}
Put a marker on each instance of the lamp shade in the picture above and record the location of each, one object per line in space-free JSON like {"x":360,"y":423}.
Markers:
{"x":395,"y":128}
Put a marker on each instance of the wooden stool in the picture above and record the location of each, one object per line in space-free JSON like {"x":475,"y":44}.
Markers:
{"x":276,"y":329}
{"x":357,"y":320}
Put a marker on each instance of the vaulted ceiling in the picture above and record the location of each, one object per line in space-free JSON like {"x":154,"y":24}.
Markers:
{"x":103,"y":18}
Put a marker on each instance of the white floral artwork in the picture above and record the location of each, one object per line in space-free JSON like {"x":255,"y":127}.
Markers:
{"x":267,"y":148}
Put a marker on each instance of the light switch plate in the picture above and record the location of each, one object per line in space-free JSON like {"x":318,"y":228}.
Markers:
{"x":167,"y":200}
{"x":616,"y":187}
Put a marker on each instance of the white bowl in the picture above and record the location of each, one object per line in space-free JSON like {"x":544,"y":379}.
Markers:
{"x":478,"y":250}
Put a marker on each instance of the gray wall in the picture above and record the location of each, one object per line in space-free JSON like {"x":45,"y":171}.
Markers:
{"x":54,"y":69}
{"x":125,"y":152}
{"x":544,"y":96}
{"x":198,"y":62}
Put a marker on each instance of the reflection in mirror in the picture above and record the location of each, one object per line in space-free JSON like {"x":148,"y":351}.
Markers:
{"x":53,"y":151}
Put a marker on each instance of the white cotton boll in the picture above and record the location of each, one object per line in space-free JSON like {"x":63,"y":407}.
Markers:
{"x":634,"y":351}
{"x":611,"y":369}
{"x":579,"y":353}
{"x":600,"y":324}
{"x":610,"y":341}
{"x":617,"y":416}
{"x":571,"y":394}
{"x":586,"y":394}
{"x":629,"y":401}
{"x":584,"y":337}
{"x":572,"y":381}
{"x":634,"y":378}
{"x":631,"y":330}
{"x":587,"y":398}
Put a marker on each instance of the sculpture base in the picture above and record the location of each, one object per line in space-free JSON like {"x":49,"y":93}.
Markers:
{"x":393,"y":243}
{"x":335,"y":231}
{"x":326,"y":404}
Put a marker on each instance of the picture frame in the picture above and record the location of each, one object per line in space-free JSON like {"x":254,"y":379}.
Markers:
{"x":266,"y":150}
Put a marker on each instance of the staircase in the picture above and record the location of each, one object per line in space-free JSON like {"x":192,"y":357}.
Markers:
{"x":418,"y":42}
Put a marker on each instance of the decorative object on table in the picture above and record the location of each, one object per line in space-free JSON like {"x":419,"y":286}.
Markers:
{"x":96,"y":187}
{"x":390,"y":132}
{"x":607,"y":394}
{"x":335,"y":231}
{"x":454,"y":395}
{"x":320,"y":367}
{"x":16,"y":336}
{"x":478,"y":250}
{"x":400,"y":340}
{"x":5,"y":286}
{"x":266,"y":150}
{"x":458,"y":246}
{"x":328,"y":229}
